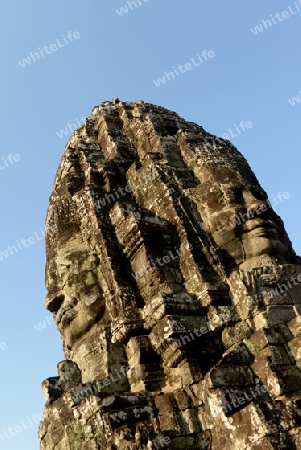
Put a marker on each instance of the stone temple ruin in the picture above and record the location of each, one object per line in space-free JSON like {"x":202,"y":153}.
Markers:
{"x":180,"y":324}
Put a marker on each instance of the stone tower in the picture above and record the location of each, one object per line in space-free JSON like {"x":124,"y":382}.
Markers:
{"x":175,"y":289}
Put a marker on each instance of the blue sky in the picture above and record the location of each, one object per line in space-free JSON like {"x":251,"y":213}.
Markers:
{"x":251,"y":78}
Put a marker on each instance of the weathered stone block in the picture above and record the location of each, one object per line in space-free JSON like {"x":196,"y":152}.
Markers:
{"x":231,"y":376}
{"x":233,"y":334}
{"x":275,"y":315}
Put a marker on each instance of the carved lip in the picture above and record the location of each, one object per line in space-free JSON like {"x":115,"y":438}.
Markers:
{"x":261,"y":232}
{"x":66,"y":315}
{"x":260,"y":226}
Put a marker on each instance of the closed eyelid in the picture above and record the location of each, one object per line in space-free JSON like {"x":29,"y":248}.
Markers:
{"x":81,"y":275}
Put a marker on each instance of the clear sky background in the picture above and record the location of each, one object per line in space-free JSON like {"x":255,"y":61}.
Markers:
{"x":250,"y":78}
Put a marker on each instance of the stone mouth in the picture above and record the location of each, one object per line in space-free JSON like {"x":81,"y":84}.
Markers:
{"x":261,"y":227}
{"x":66,"y":316}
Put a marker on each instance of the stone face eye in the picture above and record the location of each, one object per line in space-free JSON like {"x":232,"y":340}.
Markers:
{"x":54,"y":303}
{"x":238,"y":196}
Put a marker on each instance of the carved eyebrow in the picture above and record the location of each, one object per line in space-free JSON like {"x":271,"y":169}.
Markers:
{"x":76,"y":275}
{"x":63,"y":269}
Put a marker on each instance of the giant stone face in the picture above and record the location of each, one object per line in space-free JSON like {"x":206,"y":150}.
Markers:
{"x":238,"y":216}
{"x":77,"y":300}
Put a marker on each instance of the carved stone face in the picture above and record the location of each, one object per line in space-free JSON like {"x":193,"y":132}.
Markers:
{"x":227,"y":205}
{"x":77,"y":302}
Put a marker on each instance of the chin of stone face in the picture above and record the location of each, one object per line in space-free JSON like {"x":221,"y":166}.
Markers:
{"x":175,"y":289}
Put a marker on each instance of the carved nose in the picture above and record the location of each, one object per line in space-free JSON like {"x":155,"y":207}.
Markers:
{"x":54,"y":302}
